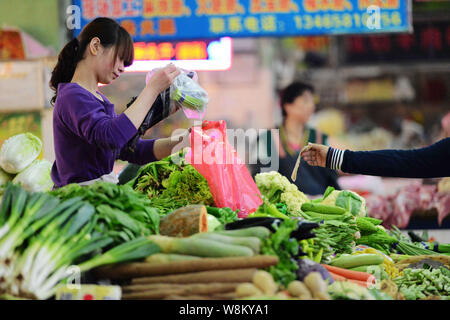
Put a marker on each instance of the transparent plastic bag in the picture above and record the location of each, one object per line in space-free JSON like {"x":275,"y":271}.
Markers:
{"x":229,"y":180}
{"x":187,"y":94}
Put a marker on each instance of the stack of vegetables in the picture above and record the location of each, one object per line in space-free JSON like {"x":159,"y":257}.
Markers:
{"x":19,"y":163}
{"x":42,"y":236}
{"x":206,"y":265}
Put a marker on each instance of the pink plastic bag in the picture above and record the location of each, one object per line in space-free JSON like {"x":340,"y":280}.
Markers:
{"x":228,"y":178}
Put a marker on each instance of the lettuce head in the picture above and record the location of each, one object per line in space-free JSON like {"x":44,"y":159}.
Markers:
{"x":348,"y":200}
{"x":37,"y":177}
{"x":19,"y":151}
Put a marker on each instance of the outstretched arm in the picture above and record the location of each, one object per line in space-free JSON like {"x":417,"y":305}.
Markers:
{"x":429,"y":162}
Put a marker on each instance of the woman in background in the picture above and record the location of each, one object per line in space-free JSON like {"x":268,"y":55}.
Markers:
{"x":297,"y":106}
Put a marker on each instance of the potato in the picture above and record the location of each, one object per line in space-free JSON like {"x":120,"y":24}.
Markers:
{"x":263,"y":280}
{"x":315,"y":284}
{"x":299,"y":289}
{"x":323,"y":296}
{"x":247,"y":290}
{"x":282,"y":295}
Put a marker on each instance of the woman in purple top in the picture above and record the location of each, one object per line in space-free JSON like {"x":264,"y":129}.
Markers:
{"x":88,"y":135}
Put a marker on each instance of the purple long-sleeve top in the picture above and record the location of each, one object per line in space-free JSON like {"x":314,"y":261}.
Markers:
{"x":89,"y":136}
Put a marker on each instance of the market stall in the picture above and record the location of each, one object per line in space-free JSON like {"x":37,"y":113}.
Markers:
{"x":196,"y":225}
{"x":165,"y":234}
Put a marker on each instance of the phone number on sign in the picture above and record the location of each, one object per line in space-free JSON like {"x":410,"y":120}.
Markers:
{"x":346,"y":20}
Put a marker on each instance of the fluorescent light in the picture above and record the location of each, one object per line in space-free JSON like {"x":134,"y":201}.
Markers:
{"x":220,"y":58}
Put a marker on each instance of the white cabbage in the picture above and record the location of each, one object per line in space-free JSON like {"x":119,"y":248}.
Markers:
{"x":37,"y":177}
{"x":19,"y":151}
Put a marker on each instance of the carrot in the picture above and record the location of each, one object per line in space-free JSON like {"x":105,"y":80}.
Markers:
{"x":349,"y":274}
{"x":337,"y":277}
{"x":361,"y":283}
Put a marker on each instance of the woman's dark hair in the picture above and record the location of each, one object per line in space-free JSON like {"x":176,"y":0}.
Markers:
{"x":291,"y":92}
{"x":110,"y":34}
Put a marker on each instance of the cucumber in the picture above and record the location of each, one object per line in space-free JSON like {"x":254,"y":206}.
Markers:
{"x":368,"y":268}
{"x":351,"y":261}
{"x":169,"y":257}
{"x":199,"y":247}
{"x":259,"y":232}
{"x":322,"y":216}
{"x":322,"y":208}
{"x":253,"y":243}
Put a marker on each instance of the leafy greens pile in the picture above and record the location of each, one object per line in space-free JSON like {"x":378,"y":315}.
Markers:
{"x":123,"y":213}
{"x":170,"y":185}
{"x":281,"y":244}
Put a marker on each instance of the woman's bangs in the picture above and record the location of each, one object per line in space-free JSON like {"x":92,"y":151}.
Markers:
{"x":125,"y":48}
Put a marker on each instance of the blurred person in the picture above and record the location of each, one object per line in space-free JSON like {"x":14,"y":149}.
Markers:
{"x":445,"y":126}
{"x":88,"y":135}
{"x":297,"y":106}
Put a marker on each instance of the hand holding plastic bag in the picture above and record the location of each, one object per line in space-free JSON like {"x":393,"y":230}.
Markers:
{"x":186,"y":93}
{"x":229,"y":180}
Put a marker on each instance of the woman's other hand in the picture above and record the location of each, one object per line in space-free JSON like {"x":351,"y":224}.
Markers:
{"x":315,"y":154}
{"x":163,"y":78}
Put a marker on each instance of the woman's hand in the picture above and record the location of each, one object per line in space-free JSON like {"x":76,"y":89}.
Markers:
{"x":159,"y":82}
{"x":163,"y":78}
{"x":315,"y":154}
{"x":164,"y":147}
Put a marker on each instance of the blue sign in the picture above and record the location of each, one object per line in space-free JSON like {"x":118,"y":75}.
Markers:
{"x":154,"y":20}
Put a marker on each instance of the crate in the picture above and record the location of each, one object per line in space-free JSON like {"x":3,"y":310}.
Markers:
{"x":24,"y":84}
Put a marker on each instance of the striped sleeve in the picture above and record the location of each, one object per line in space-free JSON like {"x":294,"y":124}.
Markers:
{"x":335,"y":157}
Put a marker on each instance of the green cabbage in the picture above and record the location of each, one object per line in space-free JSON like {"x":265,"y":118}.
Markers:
{"x":19,"y":151}
{"x":348,"y":200}
{"x":37,"y":177}
{"x":213,"y":223}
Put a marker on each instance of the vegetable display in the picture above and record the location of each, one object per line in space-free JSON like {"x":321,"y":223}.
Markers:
{"x":160,"y":236}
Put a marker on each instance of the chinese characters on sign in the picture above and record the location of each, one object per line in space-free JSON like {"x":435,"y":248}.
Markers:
{"x":155,"y":20}
{"x":429,"y":41}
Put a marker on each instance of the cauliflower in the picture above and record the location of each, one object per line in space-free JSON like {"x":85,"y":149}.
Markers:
{"x":277,"y":189}
{"x":294,"y":200}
